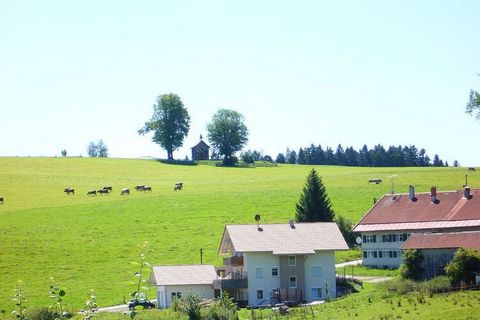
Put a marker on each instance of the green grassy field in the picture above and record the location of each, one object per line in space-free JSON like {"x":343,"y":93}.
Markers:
{"x":88,"y":242}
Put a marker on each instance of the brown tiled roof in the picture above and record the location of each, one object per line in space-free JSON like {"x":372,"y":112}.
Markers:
{"x":281,"y":239}
{"x":183,"y":275}
{"x":470,"y":240}
{"x":399,"y":209}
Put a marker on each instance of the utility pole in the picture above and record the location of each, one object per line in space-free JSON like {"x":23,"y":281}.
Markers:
{"x":201,"y":256}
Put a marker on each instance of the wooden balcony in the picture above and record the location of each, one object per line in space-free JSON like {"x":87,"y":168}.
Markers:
{"x":234,"y":261}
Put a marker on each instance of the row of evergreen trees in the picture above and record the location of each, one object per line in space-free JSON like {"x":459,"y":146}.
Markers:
{"x":378,"y":156}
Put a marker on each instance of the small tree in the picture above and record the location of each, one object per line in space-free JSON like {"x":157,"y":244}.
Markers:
{"x":346,"y":227}
{"x":20,"y":299}
{"x":280,"y":158}
{"x":90,"y":305}
{"x":57,"y":294}
{"x":92,"y":150}
{"x":473,"y":105}
{"x":142,"y":282}
{"x":411,"y":267}
{"x":314,"y":204}
{"x":102,"y":149}
{"x":64,"y":153}
{"x":191,"y":305}
{"x":170,"y":123}
{"x":463,"y":262}
{"x":228,"y":134}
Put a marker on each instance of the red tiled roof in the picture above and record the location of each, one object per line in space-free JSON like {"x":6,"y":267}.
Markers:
{"x":399,"y":209}
{"x":470,"y":240}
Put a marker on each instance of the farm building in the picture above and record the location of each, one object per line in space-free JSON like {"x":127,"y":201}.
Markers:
{"x":201,"y":150}
{"x":390,"y":222}
{"x":438,"y":249}
{"x":274,"y":263}
{"x":266,"y":264}
{"x":177,"y":281}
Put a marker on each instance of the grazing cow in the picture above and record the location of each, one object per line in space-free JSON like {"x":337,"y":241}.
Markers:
{"x":147,"y":188}
{"x":140,"y":187}
{"x":92,"y":193}
{"x":109,"y":188}
{"x":178,"y":186}
{"x":376,"y":181}
{"x":1,"y":200}
{"x":103,"y":191}
{"x":472,"y":169}
{"x":125,"y":191}
{"x":69,"y":191}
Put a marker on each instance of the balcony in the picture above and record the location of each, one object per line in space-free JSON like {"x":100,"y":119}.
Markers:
{"x":234,"y":280}
{"x":235,"y":261}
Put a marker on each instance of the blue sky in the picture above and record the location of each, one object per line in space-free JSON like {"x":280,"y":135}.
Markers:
{"x":301,"y":72}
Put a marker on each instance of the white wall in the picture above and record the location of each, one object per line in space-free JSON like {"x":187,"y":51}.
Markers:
{"x":267,"y":283}
{"x":381,"y":246}
{"x":326,"y":260}
{"x":205,"y":290}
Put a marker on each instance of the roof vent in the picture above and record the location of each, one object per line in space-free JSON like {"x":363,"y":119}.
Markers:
{"x":466,"y":193}
{"x":433,"y":193}
{"x":411,"y":193}
{"x":292,"y":225}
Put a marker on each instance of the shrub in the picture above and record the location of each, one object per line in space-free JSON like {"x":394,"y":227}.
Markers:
{"x":223,"y":309}
{"x":436,"y":285}
{"x":400,"y":286}
{"x":464,"y":261}
{"x":411,"y":267}
{"x":191,"y":305}
{"x":43,"y":314}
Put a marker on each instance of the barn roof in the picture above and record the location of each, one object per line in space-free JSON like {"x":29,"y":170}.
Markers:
{"x":470,"y":240}
{"x":282,"y":239}
{"x":183,"y":275}
{"x":398,"y":212}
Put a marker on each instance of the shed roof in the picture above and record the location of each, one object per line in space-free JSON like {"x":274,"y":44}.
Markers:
{"x":201,"y":144}
{"x":390,"y":212}
{"x":282,"y":239}
{"x":470,"y":240}
{"x":183,"y":275}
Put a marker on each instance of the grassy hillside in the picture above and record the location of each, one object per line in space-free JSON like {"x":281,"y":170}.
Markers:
{"x":88,"y":242}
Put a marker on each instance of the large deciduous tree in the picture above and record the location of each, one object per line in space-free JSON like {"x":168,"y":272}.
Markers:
{"x":314,"y":204}
{"x":411,"y":267}
{"x":227,"y":134}
{"x":170,"y":123}
{"x":473,"y":105}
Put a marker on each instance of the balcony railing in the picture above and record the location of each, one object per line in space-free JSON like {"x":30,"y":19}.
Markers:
{"x":233,"y":280}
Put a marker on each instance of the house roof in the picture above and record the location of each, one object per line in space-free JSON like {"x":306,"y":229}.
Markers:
{"x":183,"y":275}
{"x":398,"y":212}
{"x":201,"y":144}
{"x":470,"y":240}
{"x":281,"y":239}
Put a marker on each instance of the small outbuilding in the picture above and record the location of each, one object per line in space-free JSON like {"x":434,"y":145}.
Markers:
{"x":201,"y":150}
{"x":178,"y":281}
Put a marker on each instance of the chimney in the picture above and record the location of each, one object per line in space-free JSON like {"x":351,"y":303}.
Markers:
{"x":433,"y":193}
{"x":411,"y":193}
{"x":291,"y":224}
{"x":466,"y":192}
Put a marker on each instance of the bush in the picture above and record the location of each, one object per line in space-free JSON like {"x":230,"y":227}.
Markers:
{"x":436,"y":285}
{"x":43,"y":314}
{"x":464,"y":262}
{"x":223,"y":309}
{"x":346,"y":227}
{"x":191,"y":305}
{"x":400,"y":286}
{"x":411,"y":266}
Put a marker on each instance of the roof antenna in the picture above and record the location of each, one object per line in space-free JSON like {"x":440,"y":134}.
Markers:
{"x":257,"y":218}
{"x":391,"y":181}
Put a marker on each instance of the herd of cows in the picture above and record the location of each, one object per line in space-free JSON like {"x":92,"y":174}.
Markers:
{"x":108,"y":189}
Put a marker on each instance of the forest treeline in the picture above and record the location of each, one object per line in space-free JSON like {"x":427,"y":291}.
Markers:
{"x":378,"y":156}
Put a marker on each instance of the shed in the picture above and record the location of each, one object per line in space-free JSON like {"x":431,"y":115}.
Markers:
{"x":180,"y":280}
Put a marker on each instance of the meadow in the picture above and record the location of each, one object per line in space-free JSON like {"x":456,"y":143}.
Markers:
{"x":89,"y":242}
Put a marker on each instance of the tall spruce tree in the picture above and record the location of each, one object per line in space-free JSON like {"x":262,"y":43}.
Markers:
{"x":314,"y":204}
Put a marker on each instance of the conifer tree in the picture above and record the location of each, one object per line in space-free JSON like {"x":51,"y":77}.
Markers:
{"x":314,"y":204}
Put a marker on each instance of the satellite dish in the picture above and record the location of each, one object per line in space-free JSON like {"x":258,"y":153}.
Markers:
{"x":358,"y":240}
{"x":257,"y":217}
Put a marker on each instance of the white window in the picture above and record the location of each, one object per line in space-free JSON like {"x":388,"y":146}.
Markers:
{"x":292,"y":282}
{"x":316,"y":293}
{"x":259,"y":294}
{"x":292,"y":261}
{"x":259,"y":272}
{"x":275,"y":272}
{"x":316,"y":271}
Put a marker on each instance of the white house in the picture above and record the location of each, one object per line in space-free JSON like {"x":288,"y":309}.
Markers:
{"x":390,"y":222}
{"x":178,"y":281}
{"x":272,"y":263}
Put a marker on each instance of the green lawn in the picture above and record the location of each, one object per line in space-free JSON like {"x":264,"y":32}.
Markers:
{"x":360,"y":270}
{"x":88,"y":242}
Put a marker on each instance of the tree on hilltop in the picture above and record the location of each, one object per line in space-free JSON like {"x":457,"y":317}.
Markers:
{"x":170,"y":123}
{"x":227,"y":134}
{"x":473,"y":105}
{"x":314,"y":204}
